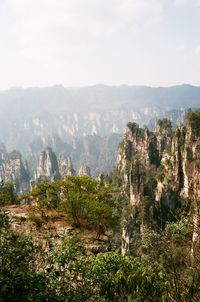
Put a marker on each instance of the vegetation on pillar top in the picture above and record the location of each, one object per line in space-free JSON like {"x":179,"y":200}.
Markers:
{"x":193,"y":121}
{"x":164,"y":124}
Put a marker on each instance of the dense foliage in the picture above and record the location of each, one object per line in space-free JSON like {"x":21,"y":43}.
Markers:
{"x":65,"y":273}
{"x":87,"y":201}
{"x":158,"y":269}
{"x":7,"y":194}
{"x":193,"y":121}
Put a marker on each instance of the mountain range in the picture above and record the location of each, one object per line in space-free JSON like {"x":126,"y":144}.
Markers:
{"x":85,"y":123}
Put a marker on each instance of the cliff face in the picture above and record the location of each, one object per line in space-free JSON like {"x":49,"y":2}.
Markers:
{"x":163,"y":166}
{"x":99,"y":153}
{"x":174,"y":157}
{"x":138,"y":153}
{"x":180,"y":165}
{"x":191,"y":164}
{"x":47,"y":166}
{"x":65,"y":166}
{"x":170,"y":174}
{"x":138,"y":157}
{"x":163,"y":134}
{"x":180,"y":177}
{"x":14,"y":169}
{"x":84,"y":170}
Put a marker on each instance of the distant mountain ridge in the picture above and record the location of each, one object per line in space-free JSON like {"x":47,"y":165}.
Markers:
{"x":100,"y":97}
{"x":79,"y":122}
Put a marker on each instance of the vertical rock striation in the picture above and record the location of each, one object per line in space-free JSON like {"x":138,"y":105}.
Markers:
{"x":47,"y":166}
{"x":84,"y":170}
{"x":137,"y":159}
{"x":14,"y":169}
{"x":170,"y":159}
{"x":138,"y":154}
{"x":65,"y":166}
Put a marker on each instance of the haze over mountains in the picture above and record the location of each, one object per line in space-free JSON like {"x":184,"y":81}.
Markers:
{"x":85,"y":123}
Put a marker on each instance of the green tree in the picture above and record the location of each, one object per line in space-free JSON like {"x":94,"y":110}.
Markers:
{"x":7,"y":194}
{"x":45,"y":195}
{"x":193,"y":121}
{"x":76,"y":194}
{"x":91,"y":200}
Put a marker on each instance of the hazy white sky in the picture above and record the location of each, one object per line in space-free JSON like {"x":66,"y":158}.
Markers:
{"x":84,"y":42}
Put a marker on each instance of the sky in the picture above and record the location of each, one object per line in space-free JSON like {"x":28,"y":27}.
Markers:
{"x":88,"y":42}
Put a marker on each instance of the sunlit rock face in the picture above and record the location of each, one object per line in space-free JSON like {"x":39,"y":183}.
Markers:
{"x":181,"y":171}
{"x":176,"y":154}
{"x":84,"y":170}
{"x":137,"y":154}
{"x":163,"y":134}
{"x":65,"y":166}
{"x":171,"y":179}
{"x":191,"y":165}
{"x":47,"y":166}
{"x":170,"y":158}
{"x":14,"y":169}
{"x":190,"y":186}
{"x":181,"y":165}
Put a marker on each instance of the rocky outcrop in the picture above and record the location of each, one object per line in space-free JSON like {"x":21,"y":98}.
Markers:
{"x":47,"y":166}
{"x":163,"y":133}
{"x":99,"y":153}
{"x":171,"y":160}
{"x":162,"y":152}
{"x":14,"y":169}
{"x":84,"y":170}
{"x":137,"y":154}
{"x":180,"y":165}
{"x":191,"y":164}
{"x":170,"y":173}
{"x":181,"y":171}
{"x":3,"y":152}
{"x":65,"y":166}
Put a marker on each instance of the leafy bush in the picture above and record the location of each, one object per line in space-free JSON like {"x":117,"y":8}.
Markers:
{"x":165,"y":123}
{"x":193,"y":121}
{"x":7,"y":195}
